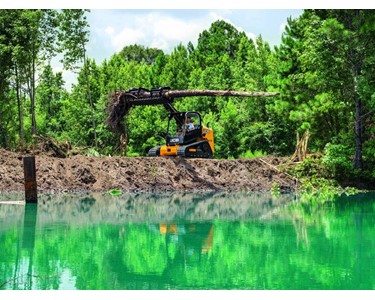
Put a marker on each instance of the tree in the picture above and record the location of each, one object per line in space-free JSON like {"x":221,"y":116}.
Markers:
{"x":31,"y":38}
{"x":360,"y":36}
{"x":80,"y":110}
{"x":140,"y":54}
{"x":221,"y":38}
{"x":50,"y":93}
{"x":337,"y":54}
{"x":176,"y":70}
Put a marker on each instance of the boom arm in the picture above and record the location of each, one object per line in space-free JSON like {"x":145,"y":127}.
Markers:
{"x":122,"y":101}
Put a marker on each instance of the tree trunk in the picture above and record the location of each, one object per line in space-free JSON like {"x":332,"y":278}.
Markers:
{"x":3,"y":135}
{"x":357,"y":62}
{"x":32,"y":99}
{"x":89,"y":98}
{"x":358,"y":160}
{"x":120,"y":102}
{"x":124,"y":142}
{"x":20,"y":109}
{"x":222,"y":93}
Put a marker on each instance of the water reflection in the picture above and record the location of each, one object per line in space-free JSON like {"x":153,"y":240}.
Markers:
{"x":92,"y":208}
{"x":186,"y":241}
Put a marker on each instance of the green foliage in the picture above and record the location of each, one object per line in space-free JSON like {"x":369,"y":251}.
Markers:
{"x":115,"y":192}
{"x":338,"y":162}
{"x":140,"y":54}
{"x":255,"y":154}
{"x":317,"y":185}
{"x":275,"y":189}
{"x":92,"y":152}
{"x":29,"y":39}
{"x":176,"y":70}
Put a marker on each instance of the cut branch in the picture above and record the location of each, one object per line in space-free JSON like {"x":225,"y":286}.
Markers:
{"x":120,"y":102}
{"x":217,"y":93}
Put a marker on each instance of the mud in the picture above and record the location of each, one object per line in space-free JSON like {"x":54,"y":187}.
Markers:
{"x":144,"y":174}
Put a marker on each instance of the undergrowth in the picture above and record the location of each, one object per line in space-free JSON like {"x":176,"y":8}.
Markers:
{"x":316,"y":184}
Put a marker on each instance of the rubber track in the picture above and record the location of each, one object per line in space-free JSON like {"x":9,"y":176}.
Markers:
{"x":200,"y":153}
{"x":155,"y":151}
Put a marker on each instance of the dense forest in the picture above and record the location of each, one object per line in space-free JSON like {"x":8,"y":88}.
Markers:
{"x":323,"y":69}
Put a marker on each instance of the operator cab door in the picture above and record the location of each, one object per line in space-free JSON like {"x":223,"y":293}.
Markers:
{"x":175,"y":129}
{"x":192,"y":129}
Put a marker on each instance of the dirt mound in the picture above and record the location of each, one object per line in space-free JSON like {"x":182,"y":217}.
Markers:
{"x":150,"y":174}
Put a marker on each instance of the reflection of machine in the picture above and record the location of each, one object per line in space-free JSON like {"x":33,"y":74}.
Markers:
{"x":194,"y":236}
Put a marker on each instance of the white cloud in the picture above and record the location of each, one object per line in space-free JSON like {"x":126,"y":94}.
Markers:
{"x":170,"y":28}
{"x":155,"y":30}
{"x":127,"y":36}
{"x":251,"y":35}
{"x":109,"y":30}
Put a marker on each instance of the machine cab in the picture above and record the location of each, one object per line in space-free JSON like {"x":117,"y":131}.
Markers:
{"x":184,"y":128}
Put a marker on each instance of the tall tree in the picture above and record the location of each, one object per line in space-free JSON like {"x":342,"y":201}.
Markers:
{"x":336,"y":55}
{"x":32,"y":38}
{"x":176,"y":70}
{"x":6,"y":33}
{"x":38,"y":30}
{"x":140,"y":54}
{"x":221,"y":38}
{"x":49,"y":93}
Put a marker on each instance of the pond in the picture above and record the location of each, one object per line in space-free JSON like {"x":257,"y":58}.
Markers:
{"x":186,"y":241}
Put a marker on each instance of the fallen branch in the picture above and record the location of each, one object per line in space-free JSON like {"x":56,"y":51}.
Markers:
{"x":214,"y":93}
{"x":14,"y":279}
{"x":275,"y":168}
{"x":10,"y":280}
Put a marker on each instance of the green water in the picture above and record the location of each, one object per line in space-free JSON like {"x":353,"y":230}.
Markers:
{"x":186,"y":241}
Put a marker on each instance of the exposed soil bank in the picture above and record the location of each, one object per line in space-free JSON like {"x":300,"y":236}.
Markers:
{"x":81,"y":173}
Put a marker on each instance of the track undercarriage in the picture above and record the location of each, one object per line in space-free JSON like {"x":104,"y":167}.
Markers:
{"x":200,"y":149}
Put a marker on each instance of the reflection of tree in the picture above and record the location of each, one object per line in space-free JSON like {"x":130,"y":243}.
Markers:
{"x":22,"y":277}
{"x":358,"y":259}
{"x":300,"y":227}
{"x":28,"y":240}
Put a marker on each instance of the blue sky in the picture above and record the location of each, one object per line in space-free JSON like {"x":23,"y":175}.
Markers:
{"x":111,"y":30}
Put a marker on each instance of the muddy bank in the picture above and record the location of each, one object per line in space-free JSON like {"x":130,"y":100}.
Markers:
{"x":148,"y":174}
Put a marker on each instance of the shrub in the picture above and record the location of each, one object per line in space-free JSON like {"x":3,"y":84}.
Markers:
{"x":338,"y":162}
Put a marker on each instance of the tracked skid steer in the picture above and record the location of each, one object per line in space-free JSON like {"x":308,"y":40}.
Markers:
{"x":186,"y":137}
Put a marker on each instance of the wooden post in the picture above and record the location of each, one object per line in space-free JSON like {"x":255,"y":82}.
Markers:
{"x":30,"y":179}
